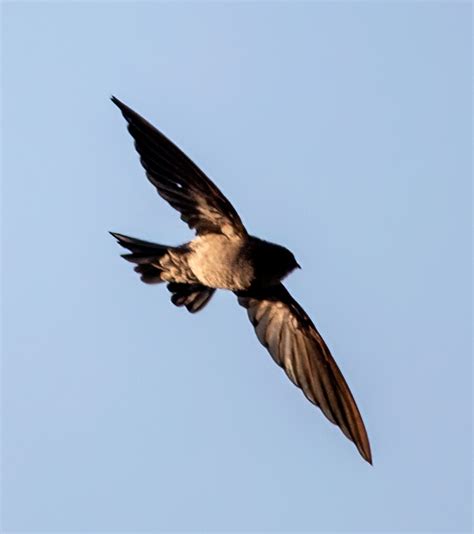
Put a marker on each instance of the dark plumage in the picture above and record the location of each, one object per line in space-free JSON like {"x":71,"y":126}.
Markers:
{"x":224,"y":256}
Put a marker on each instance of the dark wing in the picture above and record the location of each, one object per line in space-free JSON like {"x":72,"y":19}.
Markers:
{"x":179,"y":181}
{"x":283,"y":327}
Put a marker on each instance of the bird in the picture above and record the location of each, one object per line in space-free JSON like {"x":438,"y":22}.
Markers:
{"x":223,"y":255}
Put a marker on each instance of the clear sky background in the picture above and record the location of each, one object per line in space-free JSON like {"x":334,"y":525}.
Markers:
{"x":341,"y":130}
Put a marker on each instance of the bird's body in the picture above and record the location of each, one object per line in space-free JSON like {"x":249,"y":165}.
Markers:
{"x":224,"y":255}
{"x":221,"y":262}
{"x":216,"y":261}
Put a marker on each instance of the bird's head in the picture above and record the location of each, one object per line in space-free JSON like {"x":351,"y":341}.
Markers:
{"x":278,"y":261}
{"x":288,"y":260}
{"x":272,"y":262}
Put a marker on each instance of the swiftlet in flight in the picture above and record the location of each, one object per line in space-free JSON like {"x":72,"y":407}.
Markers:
{"x":223,"y":255}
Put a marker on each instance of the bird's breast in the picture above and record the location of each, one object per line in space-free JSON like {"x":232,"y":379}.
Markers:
{"x":220,"y":262}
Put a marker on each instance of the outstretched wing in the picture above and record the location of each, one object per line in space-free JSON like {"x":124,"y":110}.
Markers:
{"x":284,"y":328}
{"x":179,"y":181}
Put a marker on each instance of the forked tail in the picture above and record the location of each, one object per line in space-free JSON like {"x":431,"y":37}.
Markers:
{"x":160,"y":263}
{"x":146,"y":255}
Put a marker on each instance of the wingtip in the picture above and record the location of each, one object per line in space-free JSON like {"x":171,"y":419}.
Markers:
{"x":366,"y":455}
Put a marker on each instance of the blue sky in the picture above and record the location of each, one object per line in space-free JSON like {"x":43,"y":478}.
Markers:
{"x":341,"y":130}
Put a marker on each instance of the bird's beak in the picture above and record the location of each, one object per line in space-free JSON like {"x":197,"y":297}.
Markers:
{"x":298,"y":266}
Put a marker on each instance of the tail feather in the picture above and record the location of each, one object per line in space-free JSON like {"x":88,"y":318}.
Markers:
{"x":138,"y":245}
{"x":146,"y":255}
{"x":136,"y":258}
{"x":149,"y":274}
{"x":155,"y":264}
